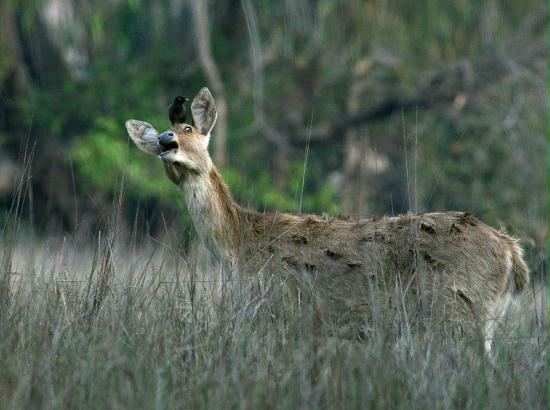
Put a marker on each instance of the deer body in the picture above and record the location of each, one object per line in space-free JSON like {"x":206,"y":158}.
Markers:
{"x":460,"y":269}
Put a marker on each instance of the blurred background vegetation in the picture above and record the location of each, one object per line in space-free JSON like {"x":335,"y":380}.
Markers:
{"x":397,"y":105}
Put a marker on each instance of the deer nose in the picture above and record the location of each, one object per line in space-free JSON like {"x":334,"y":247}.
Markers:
{"x":166,"y":138}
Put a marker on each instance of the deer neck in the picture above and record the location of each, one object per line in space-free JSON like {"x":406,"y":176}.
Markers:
{"x":216,"y":216}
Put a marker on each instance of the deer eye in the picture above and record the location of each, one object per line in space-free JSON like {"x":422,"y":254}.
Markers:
{"x":187,"y":129}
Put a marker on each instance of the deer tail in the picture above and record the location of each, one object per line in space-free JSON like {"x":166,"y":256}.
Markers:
{"x":519,"y":269}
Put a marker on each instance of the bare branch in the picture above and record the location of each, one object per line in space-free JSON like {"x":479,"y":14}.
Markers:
{"x":443,"y":87}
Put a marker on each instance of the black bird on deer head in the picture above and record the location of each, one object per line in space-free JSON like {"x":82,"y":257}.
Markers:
{"x":177,"y":112}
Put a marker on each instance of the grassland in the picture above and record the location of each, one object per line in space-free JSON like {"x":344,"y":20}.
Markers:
{"x":116,"y":322}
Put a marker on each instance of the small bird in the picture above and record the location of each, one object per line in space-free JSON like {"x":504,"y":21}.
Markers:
{"x":177,"y":111}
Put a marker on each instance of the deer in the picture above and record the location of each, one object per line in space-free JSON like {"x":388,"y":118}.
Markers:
{"x":458,"y":269}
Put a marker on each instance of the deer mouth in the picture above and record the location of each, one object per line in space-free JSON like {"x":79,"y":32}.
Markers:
{"x":165,"y":148}
{"x":168,"y":147}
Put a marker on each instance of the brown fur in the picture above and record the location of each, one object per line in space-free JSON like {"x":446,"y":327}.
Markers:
{"x":466,"y":257}
{"x":450,"y":263}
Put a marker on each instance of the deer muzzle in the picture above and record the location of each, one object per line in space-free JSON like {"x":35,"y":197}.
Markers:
{"x":167,"y":141}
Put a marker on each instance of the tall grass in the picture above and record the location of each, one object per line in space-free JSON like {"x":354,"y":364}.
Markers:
{"x":112,"y":326}
{"x":110,"y":321}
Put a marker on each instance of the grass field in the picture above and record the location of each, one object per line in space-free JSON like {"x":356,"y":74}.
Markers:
{"x":111,"y":322}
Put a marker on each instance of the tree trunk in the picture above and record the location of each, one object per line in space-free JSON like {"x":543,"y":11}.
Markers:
{"x":202,"y":42}
{"x":14,"y":77}
{"x":355,"y":190}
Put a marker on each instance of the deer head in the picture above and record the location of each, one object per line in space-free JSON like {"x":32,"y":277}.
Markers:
{"x":183,"y":148}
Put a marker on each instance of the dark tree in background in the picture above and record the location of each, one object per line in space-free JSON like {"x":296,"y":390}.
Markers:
{"x":399,"y":105}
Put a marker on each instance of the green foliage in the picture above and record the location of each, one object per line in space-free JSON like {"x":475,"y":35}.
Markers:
{"x":102,"y":159}
{"x":262,"y":193}
{"x":487,"y":156}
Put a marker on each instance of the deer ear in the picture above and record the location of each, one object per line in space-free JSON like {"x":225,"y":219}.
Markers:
{"x":204,"y":111}
{"x":144,"y":136}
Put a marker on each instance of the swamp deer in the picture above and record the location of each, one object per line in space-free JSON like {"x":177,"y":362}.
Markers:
{"x":458,"y":269}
